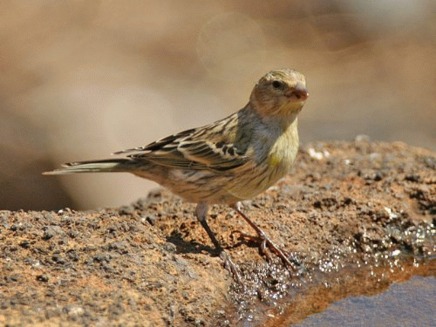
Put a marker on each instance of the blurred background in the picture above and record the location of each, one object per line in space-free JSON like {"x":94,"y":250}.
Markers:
{"x":82,"y":79}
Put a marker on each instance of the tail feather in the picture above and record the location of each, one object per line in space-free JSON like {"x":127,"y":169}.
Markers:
{"x":95,"y":166}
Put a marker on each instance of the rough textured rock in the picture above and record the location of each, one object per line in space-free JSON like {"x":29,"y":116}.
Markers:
{"x":346,"y":210}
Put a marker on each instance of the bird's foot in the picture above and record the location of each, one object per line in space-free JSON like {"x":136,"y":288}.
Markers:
{"x":264,"y":241}
{"x":230,"y":265}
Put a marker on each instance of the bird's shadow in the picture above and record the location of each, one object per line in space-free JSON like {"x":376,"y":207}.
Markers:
{"x":183,"y":246}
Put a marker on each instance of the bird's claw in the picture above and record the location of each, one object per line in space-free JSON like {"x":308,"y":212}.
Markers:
{"x":230,"y":266}
{"x":264,"y":242}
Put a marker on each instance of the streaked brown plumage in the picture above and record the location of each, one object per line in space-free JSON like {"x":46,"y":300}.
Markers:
{"x":230,"y":160}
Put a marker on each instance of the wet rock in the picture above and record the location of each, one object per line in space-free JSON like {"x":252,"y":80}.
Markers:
{"x":347,"y":210}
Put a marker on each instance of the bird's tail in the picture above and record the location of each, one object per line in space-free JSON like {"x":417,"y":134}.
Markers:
{"x":94,"y":166}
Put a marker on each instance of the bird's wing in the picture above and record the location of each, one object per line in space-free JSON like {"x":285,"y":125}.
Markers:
{"x":210,"y":147}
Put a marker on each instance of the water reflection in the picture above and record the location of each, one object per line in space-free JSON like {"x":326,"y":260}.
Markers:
{"x":364,"y":296}
{"x":407,"y":304}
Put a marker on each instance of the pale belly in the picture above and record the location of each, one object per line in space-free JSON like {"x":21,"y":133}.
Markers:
{"x":226,"y":188}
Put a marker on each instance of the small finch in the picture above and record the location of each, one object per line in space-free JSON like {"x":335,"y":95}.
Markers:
{"x":230,"y":160}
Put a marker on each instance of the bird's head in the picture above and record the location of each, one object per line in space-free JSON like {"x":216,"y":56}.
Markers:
{"x":280,"y":92}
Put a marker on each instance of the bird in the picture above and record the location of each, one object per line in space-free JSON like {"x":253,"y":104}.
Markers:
{"x":226,"y":162}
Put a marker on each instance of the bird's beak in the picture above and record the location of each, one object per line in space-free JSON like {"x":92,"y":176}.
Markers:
{"x":299,"y":92}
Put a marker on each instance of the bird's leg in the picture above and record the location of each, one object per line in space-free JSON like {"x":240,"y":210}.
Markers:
{"x":264,"y":239}
{"x":201,"y":213}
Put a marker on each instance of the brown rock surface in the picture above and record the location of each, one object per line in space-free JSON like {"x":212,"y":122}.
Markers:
{"x":347,"y":208}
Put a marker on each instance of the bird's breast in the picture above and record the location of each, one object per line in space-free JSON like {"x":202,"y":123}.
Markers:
{"x":284,"y":150}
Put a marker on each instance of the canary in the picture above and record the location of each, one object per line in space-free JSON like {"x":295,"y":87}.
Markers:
{"x":225,"y":162}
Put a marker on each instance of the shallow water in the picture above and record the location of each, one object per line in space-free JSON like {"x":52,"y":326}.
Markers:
{"x":412,"y":303}
{"x":403,"y":294}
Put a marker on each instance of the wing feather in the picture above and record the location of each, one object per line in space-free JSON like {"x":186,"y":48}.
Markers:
{"x":201,"y":148}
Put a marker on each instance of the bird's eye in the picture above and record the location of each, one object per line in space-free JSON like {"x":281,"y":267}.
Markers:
{"x":277,"y":85}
